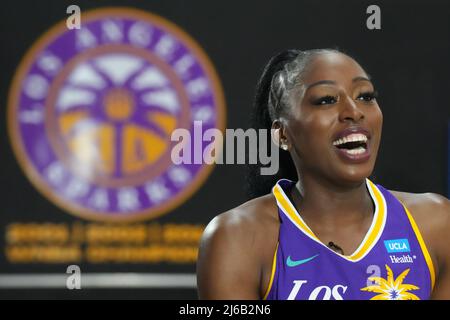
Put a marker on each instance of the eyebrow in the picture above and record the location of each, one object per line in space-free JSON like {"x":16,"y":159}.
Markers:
{"x":332,"y":82}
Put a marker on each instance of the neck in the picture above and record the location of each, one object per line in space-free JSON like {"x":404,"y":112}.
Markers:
{"x":325,"y":201}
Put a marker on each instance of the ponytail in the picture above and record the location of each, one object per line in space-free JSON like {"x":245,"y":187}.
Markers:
{"x":257,"y":184}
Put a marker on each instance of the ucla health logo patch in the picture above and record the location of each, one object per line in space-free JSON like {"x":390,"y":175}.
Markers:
{"x":91,"y":112}
{"x":397,"y":245}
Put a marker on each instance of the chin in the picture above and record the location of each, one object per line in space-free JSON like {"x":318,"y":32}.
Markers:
{"x":353,"y":175}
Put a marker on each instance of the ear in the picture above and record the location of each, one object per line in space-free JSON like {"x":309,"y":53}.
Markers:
{"x":278,"y":135}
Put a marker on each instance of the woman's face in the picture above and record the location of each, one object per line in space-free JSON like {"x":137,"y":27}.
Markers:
{"x":334,"y":125}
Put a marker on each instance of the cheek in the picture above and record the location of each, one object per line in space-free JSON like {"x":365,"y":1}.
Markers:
{"x":310,"y":133}
{"x":376,"y":120}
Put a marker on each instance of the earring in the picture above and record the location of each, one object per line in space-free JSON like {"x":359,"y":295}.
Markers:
{"x":284,"y":147}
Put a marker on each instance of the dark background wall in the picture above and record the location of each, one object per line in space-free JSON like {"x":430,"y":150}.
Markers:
{"x":408,"y":60}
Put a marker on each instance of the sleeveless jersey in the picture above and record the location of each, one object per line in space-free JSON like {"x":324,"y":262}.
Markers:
{"x":391,"y":263}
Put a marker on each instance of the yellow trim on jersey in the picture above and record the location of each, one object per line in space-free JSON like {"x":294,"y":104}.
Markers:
{"x":372,"y":235}
{"x":272,"y":273}
{"x":370,"y":238}
{"x":288,"y":208}
{"x":425,"y":252}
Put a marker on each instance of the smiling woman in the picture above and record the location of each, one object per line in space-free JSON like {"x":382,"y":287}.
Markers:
{"x":326,"y":231}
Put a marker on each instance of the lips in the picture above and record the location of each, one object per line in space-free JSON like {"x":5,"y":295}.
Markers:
{"x":352,"y":144}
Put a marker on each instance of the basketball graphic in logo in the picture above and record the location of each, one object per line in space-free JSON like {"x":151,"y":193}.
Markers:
{"x":91,"y":112}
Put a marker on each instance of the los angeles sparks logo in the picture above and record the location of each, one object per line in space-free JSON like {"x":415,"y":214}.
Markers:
{"x":91,"y":112}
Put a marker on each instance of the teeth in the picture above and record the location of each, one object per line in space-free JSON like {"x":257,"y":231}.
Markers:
{"x":351,"y":138}
{"x":358,"y":150}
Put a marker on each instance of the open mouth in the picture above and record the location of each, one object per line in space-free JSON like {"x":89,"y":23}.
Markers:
{"x":353,"y":144}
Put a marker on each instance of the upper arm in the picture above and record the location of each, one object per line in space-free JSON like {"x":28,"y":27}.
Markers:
{"x":226,"y":267}
{"x":432,"y":214}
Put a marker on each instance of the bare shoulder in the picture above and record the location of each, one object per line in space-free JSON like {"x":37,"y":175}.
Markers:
{"x":251,"y":212}
{"x":426,"y":206}
{"x":431,"y":213}
{"x":237,"y":245}
{"x":421,"y":198}
{"x":245,"y":223}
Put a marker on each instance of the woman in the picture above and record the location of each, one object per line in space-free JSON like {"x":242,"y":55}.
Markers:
{"x":333,"y":234}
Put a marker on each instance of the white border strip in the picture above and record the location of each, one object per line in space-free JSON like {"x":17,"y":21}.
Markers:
{"x":100,"y":280}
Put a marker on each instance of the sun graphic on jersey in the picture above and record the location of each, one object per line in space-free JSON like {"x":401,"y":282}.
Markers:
{"x":390,"y":288}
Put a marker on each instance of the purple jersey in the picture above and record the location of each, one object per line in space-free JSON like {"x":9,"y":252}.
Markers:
{"x":391,"y":263}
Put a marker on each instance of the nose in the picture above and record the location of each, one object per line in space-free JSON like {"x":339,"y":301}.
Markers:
{"x":350,"y":111}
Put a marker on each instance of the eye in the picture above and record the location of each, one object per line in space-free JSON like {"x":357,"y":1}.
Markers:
{"x":326,"y":100}
{"x":368,"y":96}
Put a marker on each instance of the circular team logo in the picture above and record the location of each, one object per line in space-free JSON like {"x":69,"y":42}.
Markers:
{"x":91,"y":112}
